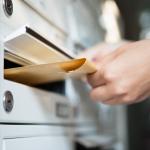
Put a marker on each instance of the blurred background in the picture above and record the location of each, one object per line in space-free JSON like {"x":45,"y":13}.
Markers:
{"x":111,"y":21}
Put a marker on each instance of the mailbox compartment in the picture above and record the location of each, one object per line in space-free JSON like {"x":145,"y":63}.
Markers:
{"x":35,"y":137}
{"x":38,"y":143}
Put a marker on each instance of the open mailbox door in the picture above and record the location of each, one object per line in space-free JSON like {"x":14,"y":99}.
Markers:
{"x":42,"y":60}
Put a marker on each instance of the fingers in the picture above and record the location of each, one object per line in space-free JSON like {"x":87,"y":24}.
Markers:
{"x":96,"y":79}
{"x":102,"y":93}
{"x":121,"y":99}
{"x":115,"y":101}
{"x":103,"y":89}
{"x":117,"y":78}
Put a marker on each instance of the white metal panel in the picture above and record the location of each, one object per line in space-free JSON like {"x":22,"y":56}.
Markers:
{"x":32,"y":105}
{"x":38,"y":143}
{"x":9,"y":131}
{"x":22,"y":15}
{"x":54,"y":11}
{"x":15,"y":137}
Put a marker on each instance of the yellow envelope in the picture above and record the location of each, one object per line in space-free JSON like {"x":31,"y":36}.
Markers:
{"x":50,"y":72}
{"x":43,"y":60}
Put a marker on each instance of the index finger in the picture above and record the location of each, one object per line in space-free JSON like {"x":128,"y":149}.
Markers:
{"x":96,"y":79}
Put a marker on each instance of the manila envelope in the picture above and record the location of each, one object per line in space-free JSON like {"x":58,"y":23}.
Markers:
{"x":50,"y":72}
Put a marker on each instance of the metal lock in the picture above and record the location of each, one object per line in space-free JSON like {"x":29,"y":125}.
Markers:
{"x":8,"y":101}
{"x":8,"y":7}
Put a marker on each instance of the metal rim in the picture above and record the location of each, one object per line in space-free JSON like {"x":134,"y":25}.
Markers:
{"x":4,"y":8}
{"x":5,"y":105}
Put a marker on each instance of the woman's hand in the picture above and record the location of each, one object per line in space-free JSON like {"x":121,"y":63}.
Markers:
{"x":97,"y":52}
{"x":123,"y":76}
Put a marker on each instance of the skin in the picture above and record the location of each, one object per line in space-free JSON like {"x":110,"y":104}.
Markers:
{"x":123,"y":75}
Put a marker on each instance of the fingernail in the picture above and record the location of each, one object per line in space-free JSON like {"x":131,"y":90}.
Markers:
{"x":94,"y":59}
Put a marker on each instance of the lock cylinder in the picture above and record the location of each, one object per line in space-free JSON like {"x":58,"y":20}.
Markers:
{"x":8,"y":7}
{"x":8,"y":101}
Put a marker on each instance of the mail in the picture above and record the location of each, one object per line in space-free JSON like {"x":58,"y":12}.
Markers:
{"x":42,"y":60}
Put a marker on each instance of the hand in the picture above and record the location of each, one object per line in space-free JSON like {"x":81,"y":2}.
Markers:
{"x":99,"y":51}
{"x":123,"y":76}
